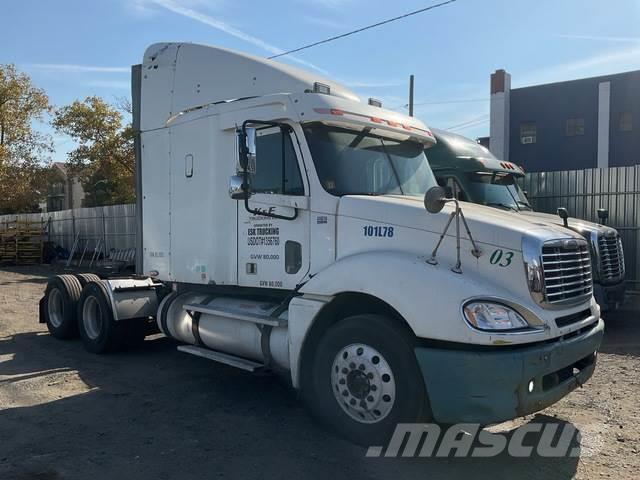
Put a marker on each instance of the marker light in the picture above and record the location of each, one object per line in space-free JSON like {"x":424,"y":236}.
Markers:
{"x":321,"y":88}
{"x":531,"y":386}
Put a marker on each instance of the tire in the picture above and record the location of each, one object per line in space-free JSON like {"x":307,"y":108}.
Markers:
{"x":61,"y":299}
{"x":378,"y":382}
{"x":99,"y":331}
{"x":85,"y":278}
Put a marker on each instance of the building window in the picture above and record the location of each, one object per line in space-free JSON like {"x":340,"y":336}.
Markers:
{"x":626,"y":121}
{"x":528,"y":132}
{"x":574,"y":127}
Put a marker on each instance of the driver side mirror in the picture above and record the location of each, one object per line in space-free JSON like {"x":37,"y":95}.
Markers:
{"x":238,"y":188}
{"x":247,"y":141}
{"x":434,"y":199}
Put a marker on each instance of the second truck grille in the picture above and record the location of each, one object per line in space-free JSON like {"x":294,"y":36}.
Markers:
{"x":611,"y":258}
{"x":567,"y":272}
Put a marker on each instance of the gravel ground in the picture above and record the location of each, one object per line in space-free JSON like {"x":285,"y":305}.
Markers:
{"x":156,"y":413}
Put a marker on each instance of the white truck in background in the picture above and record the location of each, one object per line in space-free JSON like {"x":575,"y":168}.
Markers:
{"x":283,"y":227}
{"x":471,"y":173}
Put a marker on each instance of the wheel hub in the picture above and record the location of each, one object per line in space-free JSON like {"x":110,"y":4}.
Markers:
{"x":363,"y":383}
{"x":358,"y":384}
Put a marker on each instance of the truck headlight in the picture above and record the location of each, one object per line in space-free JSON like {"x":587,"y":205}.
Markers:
{"x":493,"y":316}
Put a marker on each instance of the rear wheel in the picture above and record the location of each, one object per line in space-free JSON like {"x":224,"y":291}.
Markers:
{"x":365,"y":379}
{"x":61,"y":298}
{"x":99,"y":331}
{"x":85,"y":278}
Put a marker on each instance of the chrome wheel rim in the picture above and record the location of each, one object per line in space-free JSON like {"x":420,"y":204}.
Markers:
{"x":92,"y":317}
{"x":363,"y":383}
{"x":55,"y":308}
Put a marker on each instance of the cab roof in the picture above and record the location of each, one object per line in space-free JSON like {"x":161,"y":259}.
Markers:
{"x":455,"y":152}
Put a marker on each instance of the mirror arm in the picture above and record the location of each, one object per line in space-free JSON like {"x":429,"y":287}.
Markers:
{"x":245,"y":171}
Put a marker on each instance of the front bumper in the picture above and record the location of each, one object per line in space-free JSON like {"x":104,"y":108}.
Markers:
{"x":609,"y":297}
{"x":475,"y":386}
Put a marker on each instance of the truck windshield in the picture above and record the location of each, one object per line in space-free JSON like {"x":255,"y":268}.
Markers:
{"x":496,"y":190}
{"x":351,"y":162}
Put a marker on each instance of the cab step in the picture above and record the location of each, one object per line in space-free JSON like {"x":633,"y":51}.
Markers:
{"x":231,"y":360}
{"x":235,"y":314}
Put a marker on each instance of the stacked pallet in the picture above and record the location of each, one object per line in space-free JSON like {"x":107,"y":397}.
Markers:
{"x":8,"y":246}
{"x":22,"y":241}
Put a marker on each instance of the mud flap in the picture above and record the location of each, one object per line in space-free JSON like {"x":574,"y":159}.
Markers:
{"x":41,"y":307}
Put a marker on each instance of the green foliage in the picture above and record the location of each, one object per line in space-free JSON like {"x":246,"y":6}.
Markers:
{"x":104,"y":160}
{"x":23,"y":169}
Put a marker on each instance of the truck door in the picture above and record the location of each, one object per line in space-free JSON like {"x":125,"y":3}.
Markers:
{"x":274,"y":252}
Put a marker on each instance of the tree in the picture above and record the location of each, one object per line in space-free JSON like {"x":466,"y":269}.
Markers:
{"x":104,"y":160}
{"x":23,"y":150}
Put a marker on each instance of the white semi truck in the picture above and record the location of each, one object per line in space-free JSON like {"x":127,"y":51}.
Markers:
{"x":471,"y":173}
{"x":283,"y":227}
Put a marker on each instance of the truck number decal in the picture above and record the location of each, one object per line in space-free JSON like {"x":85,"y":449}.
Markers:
{"x":501,"y":258}
{"x":377,"y":231}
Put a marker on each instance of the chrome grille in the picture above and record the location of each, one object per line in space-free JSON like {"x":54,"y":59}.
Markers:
{"x":567,"y":271}
{"x":611,"y":257}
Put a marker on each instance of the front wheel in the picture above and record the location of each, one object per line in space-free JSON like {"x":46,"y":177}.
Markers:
{"x":364,"y":379}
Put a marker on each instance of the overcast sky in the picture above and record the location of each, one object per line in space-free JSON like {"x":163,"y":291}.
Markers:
{"x":76,"y":48}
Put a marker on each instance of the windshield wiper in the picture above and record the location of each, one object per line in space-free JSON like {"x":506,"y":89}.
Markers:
{"x":501,"y":205}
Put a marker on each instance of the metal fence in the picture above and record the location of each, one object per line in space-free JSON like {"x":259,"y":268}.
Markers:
{"x":583,"y":192}
{"x":113,"y":226}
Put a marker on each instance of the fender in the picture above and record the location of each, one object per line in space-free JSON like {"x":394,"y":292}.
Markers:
{"x":428,"y":297}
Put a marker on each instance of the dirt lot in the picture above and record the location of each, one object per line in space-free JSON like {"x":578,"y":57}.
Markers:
{"x":159,"y":414}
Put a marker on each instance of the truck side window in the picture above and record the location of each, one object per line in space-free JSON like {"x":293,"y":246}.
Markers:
{"x":276,"y":165}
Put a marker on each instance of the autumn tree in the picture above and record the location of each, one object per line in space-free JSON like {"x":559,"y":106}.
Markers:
{"x":23,"y":150}
{"x":104,"y":159}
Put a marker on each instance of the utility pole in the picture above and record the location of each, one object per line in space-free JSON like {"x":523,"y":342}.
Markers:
{"x":411,"y":95}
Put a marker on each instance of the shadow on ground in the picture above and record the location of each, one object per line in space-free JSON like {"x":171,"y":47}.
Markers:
{"x":622,"y":328}
{"x":158,"y":414}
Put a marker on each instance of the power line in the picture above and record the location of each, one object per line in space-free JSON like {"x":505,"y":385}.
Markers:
{"x":331,"y":39}
{"x":478,"y":120}
{"x":443,"y":102}
{"x":475,"y":124}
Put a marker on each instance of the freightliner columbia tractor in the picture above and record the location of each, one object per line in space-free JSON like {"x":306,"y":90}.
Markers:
{"x":284,"y":226}
{"x":471,"y":173}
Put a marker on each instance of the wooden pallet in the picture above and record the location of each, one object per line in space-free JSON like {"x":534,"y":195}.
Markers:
{"x":22,"y":242}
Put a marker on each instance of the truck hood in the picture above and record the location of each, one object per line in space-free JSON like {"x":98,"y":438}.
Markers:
{"x":581,"y":226}
{"x":487,"y":224}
